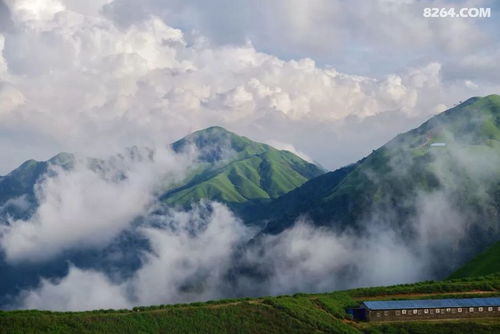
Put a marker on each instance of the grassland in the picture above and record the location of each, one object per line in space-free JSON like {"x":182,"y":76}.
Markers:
{"x":300,"y":313}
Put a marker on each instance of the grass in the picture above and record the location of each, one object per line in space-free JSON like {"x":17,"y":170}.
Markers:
{"x":488,"y":262}
{"x":300,"y":313}
{"x":252,"y":172}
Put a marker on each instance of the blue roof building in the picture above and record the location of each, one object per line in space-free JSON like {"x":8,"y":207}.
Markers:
{"x":431,"y":303}
{"x":427,"y":309}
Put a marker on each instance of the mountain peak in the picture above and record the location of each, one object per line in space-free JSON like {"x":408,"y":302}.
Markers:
{"x":215,"y":142}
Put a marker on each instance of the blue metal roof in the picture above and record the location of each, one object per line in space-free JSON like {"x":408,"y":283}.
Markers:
{"x":431,"y":303}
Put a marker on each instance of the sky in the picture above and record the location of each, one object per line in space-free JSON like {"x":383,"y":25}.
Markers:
{"x":330,"y":80}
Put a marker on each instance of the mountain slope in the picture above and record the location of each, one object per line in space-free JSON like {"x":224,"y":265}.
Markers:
{"x":487,"y":262}
{"x":435,"y":188}
{"x":237,"y":171}
{"x":430,"y":158}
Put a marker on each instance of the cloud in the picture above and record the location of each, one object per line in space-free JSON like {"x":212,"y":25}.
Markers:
{"x":74,"y":76}
{"x":79,"y":290}
{"x":306,"y":258}
{"x":191,"y":252}
{"x":289,"y":148}
{"x":360,"y":37}
{"x":191,"y":255}
{"x":87,"y":205}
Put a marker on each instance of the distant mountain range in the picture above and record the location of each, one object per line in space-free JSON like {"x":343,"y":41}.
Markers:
{"x":443,"y":172}
{"x":230,"y":169}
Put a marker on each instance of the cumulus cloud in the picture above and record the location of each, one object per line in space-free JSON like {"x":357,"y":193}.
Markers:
{"x":356,"y":35}
{"x":74,"y":75}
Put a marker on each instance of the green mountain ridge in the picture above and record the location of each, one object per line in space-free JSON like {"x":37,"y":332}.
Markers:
{"x":231,"y":169}
{"x":237,"y":171}
{"x":389,"y":180}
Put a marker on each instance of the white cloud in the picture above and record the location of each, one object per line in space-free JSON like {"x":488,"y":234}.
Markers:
{"x":357,"y":35}
{"x":76,"y":77}
{"x":289,"y":148}
{"x":78,"y":291}
{"x":191,"y":254}
{"x":10,"y":99}
{"x":86,"y":206}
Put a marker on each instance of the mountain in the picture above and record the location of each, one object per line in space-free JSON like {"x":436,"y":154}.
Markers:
{"x":445,"y":172}
{"x":228,"y":168}
{"x":486,"y":263}
{"x":231,"y":169}
{"x":237,"y":171}
{"x":436,"y":188}
{"x":402,"y":167}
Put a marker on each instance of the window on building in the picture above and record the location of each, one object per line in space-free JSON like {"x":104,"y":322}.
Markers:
{"x":378,"y":314}
{"x":490,"y":308}
{"x":426,"y":311}
{"x":480,"y":309}
{"x":403,"y":311}
{"x":448,"y":310}
{"x":437,"y":311}
{"x":498,"y":308}
{"x":459,"y":310}
{"x":471,"y":309}
{"x":415,"y":311}
{"x":398,"y":312}
{"x":386,"y":313}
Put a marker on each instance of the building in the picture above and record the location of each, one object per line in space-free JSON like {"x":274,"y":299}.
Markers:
{"x":422,"y":309}
{"x":438,"y":145}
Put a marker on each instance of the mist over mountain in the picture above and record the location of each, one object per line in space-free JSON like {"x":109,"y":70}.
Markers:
{"x":218,"y":215}
{"x":431,"y":193}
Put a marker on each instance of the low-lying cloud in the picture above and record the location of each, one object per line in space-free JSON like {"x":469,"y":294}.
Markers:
{"x":89,"y":203}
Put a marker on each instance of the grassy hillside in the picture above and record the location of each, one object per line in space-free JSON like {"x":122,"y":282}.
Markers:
{"x":301,"y":313}
{"x":387,"y":185}
{"x":237,"y":171}
{"x":488,"y":262}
